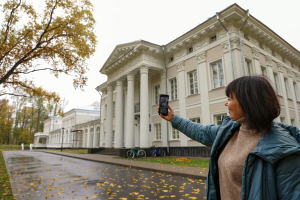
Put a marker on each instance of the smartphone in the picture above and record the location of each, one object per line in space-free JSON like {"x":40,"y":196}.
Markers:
{"x":163,"y":104}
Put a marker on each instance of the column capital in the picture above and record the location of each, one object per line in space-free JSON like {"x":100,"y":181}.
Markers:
{"x":269,"y":60}
{"x":130,"y":77}
{"x":201,"y":57}
{"x":162,"y":75}
{"x":225,"y":46}
{"x":144,"y":69}
{"x":280,"y":67}
{"x":119,"y":82}
{"x":290,"y":72}
{"x":180,"y":66}
{"x":234,"y":42}
{"x":109,"y":88}
{"x":255,"y":53}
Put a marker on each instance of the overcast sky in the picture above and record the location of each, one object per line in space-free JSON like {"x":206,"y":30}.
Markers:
{"x":160,"y":22}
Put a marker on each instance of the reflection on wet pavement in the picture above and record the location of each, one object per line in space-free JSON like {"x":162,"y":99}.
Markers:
{"x":38,"y":175}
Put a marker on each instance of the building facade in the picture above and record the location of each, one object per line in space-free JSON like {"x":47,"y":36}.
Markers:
{"x":79,"y":128}
{"x":194,"y":70}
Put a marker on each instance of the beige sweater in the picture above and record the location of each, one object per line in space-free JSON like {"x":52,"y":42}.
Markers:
{"x":232,"y":160}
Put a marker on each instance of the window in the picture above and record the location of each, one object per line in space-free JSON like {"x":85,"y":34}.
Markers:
{"x":91,"y":137}
{"x":296,"y":90}
{"x":114,"y":108}
{"x":175,"y":134}
{"x":246,"y":36}
{"x":287,"y":88}
{"x":277,"y":85}
{"x":293,"y":122}
{"x":193,"y":82}
{"x":86,"y":137}
{"x":218,"y":119}
{"x":171,"y":58}
{"x":218,"y":74}
{"x":213,"y":38}
{"x":282,"y":120}
{"x":249,"y":69}
{"x":263,"y":71}
{"x":173,"y":84}
{"x":97,"y":136}
{"x":157,"y":128}
{"x":190,"y":50}
{"x":156,"y":93}
{"x":113,"y":137}
{"x":197,"y":120}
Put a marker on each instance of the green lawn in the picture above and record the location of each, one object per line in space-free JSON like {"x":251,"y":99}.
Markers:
{"x":78,"y":151}
{"x":5,"y":189}
{"x":10,"y":147}
{"x":174,"y":161}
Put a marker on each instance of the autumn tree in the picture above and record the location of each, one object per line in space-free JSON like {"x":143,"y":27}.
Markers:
{"x":6,"y":121}
{"x":61,"y":35}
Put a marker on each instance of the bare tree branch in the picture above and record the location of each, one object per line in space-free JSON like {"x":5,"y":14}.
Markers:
{"x":12,"y":94}
{"x":58,"y":70}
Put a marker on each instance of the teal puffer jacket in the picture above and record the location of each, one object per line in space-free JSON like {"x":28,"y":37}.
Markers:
{"x":271,"y":171}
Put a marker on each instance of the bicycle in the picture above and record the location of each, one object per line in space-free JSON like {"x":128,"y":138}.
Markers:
{"x":158,"y":151}
{"x":135,"y":152}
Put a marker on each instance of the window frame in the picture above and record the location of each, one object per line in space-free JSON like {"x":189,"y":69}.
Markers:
{"x":213,"y":38}
{"x":215,"y":120}
{"x":293,"y":120}
{"x":175,"y":90}
{"x":218,"y":74}
{"x":263,"y":68}
{"x":249,"y":67}
{"x":190,"y":49}
{"x":171,"y":134}
{"x":287,"y":87}
{"x":296,"y":91}
{"x":282,"y":119}
{"x":193,"y":71}
{"x":155,"y":132}
{"x":277,"y":83}
{"x":154,"y":94}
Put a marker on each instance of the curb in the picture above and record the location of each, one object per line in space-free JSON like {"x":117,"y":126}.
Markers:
{"x":194,"y":176}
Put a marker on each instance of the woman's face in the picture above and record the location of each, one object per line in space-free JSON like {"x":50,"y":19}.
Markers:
{"x":234,"y":108}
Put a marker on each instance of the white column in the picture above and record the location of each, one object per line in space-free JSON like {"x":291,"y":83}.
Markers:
{"x":95,"y":136}
{"x":144,"y":108}
{"x":136,"y":119}
{"x":129,"y":134}
{"x":294,"y":97}
{"x":271,"y":76}
{"x":88,"y":137}
{"x":181,"y":95}
{"x":284,"y":94}
{"x":163,"y":123}
{"x":119,"y":116}
{"x":125,"y":116}
{"x":101,"y":138}
{"x":109,"y":118}
{"x":227,"y":63}
{"x":256,"y":64}
{"x":203,"y":76}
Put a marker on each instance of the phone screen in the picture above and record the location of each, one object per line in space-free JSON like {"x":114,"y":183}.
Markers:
{"x":163,"y":104}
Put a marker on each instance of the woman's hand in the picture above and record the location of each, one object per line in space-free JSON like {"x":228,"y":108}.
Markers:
{"x":170,"y":115}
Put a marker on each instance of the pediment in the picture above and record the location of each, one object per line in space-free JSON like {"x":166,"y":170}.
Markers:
{"x":128,"y":50}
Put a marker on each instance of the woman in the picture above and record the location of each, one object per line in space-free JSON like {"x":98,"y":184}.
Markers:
{"x":252,"y":157}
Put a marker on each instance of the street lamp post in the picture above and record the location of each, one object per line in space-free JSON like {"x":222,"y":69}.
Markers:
{"x":62,"y":138}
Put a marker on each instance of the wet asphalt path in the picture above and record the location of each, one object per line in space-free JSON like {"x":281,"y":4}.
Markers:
{"x":38,"y":175}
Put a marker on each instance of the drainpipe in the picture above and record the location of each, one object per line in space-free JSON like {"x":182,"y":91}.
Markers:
{"x":242,"y":56}
{"x":218,"y":18}
{"x":163,"y":48}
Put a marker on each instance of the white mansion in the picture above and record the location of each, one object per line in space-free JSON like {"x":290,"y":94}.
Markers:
{"x":194,"y":70}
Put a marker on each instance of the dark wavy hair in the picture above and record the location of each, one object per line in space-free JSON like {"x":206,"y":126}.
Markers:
{"x":258,"y":100}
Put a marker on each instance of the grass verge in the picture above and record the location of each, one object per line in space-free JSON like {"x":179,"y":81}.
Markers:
{"x":5,"y":189}
{"x":10,"y":147}
{"x":173,"y":161}
{"x":77,"y":151}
